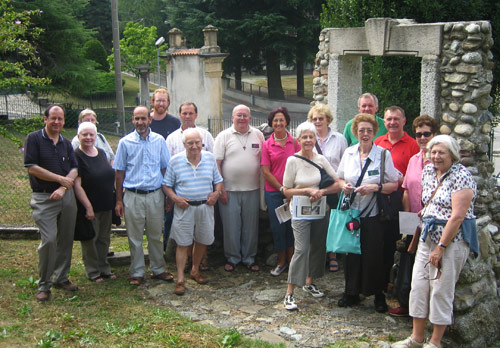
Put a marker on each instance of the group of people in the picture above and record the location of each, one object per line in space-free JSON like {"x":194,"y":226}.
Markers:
{"x":170,"y":175}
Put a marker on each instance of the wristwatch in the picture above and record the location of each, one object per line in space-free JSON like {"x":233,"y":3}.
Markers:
{"x":379,"y":188}
{"x":281,"y":189}
{"x":442,"y":245}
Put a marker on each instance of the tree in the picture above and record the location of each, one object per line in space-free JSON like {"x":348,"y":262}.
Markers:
{"x":138,"y":47}
{"x":94,"y":50}
{"x":17,"y":48}
{"x":61,"y":42}
{"x":97,"y":17}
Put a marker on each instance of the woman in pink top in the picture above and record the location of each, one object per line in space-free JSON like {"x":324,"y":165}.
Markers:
{"x":275,"y":152}
{"x":424,"y":128}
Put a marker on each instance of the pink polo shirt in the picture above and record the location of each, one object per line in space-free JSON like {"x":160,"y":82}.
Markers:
{"x":275,"y":156}
{"x":413,"y":181}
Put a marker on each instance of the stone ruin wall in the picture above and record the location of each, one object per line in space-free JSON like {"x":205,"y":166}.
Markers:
{"x":464,"y":76}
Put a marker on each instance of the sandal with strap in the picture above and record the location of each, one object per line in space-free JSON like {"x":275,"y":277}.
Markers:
{"x":333,"y":267}
{"x":96,"y":279}
{"x":253,"y":267}
{"x":204,"y":265}
{"x":229,"y":266}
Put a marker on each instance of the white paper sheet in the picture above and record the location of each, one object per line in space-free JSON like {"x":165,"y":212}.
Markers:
{"x":303,"y":209}
{"x":283,"y":213}
{"x":408,"y":222}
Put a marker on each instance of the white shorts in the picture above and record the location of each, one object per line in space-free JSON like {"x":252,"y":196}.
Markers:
{"x":193,"y":223}
{"x":434,"y":298}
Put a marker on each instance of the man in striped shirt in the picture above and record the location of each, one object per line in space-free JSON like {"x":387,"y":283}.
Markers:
{"x":194,"y":184}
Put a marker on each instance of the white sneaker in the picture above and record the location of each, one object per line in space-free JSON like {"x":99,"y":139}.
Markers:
{"x":313,"y":290}
{"x":408,"y":343}
{"x":278,"y":270}
{"x":289,"y":303}
{"x":430,"y":345}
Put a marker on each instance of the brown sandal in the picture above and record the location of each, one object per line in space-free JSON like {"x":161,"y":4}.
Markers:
{"x":136,"y":280}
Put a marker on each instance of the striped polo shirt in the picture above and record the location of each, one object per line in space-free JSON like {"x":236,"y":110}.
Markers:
{"x":193,"y":183}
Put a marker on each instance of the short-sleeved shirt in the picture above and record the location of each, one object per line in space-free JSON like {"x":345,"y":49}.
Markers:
{"x":413,"y":181}
{"x":98,"y":179}
{"x":165,"y":126}
{"x":302,"y":174}
{"x":100,"y":143}
{"x":333,"y":147}
{"x":240,"y":156}
{"x":142,"y":160}
{"x":459,"y":178}
{"x":352,"y":140}
{"x":275,"y":156}
{"x":401,"y":151}
{"x":175,"y":144}
{"x":39,"y":150}
{"x":350,"y":169}
{"x":193,"y":183}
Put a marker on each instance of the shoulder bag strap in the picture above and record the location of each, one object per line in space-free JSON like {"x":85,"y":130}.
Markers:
{"x":318,"y":148}
{"x":308,"y":161}
{"x":434,"y":193}
{"x":367,"y":163}
{"x":382,"y":167}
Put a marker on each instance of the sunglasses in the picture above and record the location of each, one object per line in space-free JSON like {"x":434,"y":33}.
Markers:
{"x":438,"y":274}
{"x":423,"y":134}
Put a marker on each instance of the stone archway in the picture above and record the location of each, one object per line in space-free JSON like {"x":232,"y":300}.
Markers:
{"x":456,"y":76}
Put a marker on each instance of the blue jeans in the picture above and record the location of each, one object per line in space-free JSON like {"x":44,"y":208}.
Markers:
{"x":282,"y":233}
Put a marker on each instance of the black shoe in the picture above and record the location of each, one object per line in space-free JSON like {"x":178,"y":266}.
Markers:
{"x":348,"y":300}
{"x":380,"y":304}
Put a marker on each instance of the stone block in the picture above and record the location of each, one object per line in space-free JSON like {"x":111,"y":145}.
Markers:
{"x":454,"y":107}
{"x":444,"y":129}
{"x":448,"y":118}
{"x":468,"y":69}
{"x":457,"y":94}
{"x":464,"y":129}
{"x":486,"y":128}
{"x":468,"y":119}
{"x":473,"y":28}
{"x":472,"y":58}
{"x":455,"y":78}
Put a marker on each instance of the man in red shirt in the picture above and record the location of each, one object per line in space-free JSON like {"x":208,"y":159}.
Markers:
{"x":402,"y":148}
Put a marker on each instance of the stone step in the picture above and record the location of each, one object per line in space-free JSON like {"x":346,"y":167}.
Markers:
{"x":122,"y":258}
{"x":14,"y":233}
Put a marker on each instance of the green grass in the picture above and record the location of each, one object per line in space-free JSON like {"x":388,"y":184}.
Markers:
{"x":290,"y":83}
{"x":111,"y":314}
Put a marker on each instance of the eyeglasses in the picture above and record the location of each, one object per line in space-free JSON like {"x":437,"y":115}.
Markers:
{"x":423,"y":134}
{"x":367,"y":130}
{"x":318,"y":119}
{"x":438,"y":274}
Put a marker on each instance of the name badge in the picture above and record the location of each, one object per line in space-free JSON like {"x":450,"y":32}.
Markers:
{"x":373,"y":172}
{"x":255,"y":146}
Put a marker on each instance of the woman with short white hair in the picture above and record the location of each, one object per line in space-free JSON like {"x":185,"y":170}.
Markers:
{"x":302,"y":178}
{"x":448,"y":233}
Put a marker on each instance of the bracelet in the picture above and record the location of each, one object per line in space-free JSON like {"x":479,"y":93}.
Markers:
{"x":442,"y":245}
{"x":281,"y":189}
{"x":380,"y":186}
{"x":65,"y":188}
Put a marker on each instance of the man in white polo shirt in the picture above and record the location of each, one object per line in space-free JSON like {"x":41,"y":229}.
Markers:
{"x":237,"y":150}
{"x":193,"y":174}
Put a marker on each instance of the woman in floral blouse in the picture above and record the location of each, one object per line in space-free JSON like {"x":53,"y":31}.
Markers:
{"x":449,"y":231}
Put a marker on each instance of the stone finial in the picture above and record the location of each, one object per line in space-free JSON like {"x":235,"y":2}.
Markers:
{"x":210,"y":40}
{"x":174,"y":39}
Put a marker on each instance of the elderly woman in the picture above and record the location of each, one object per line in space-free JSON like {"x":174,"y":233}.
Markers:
{"x":302,"y":179}
{"x":363,"y":273}
{"x":449,"y":230}
{"x":94,"y":189}
{"x":275,"y":152}
{"x":88,"y":115}
{"x":424,"y":128}
{"x":330,"y":144}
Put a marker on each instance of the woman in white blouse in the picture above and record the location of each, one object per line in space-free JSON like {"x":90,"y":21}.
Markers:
{"x":364,"y":273}
{"x":302,"y":179}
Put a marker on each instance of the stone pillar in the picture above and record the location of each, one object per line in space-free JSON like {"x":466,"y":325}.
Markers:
{"x":210,"y":40}
{"x":174,"y":39}
{"x":144,"y":84}
{"x":344,"y":88}
{"x":430,"y":89}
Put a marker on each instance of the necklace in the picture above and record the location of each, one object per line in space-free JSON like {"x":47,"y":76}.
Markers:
{"x":280,"y":139}
{"x":246,"y":139}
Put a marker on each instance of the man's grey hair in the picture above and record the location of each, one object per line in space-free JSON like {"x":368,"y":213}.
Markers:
{"x":368,"y":95}
{"x":188,"y":132}
{"x":242,"y":106}
{"x":303,"y":127}
{"x":450,"y":143}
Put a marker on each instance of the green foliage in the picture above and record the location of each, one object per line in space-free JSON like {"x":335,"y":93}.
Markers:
{"x":61,"y":42}
{"x":94,"y":50}
{"x":138,"y":47}
{"x":97,"y":17}
{"x":231,"y":339}
{"x":22,"y":126}
{"x":18,"y":56}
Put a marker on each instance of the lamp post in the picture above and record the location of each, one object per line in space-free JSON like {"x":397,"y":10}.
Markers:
{"x":158,"y":43}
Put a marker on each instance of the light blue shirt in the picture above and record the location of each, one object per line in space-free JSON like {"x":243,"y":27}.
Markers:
{"x":193,"y":183}
{"x":142,"y":159}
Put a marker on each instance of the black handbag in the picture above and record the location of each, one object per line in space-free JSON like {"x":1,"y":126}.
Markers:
{"x":326,"y":180}
{"x":84,"y":230}
{"x":115,"y":219}
{"x":389,"y":205}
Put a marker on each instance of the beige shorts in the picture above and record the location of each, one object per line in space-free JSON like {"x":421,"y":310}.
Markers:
{"x":195,"y":223}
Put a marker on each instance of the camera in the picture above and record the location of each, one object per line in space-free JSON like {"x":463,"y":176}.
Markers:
{"x":346,"y":203}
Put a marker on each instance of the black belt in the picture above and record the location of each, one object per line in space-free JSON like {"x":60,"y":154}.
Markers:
{"x":42,"y":191}
{"x":142,"y":192}
{"x":197,"y":202}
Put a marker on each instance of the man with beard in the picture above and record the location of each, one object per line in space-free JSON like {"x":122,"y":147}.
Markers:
{"x":163,"y":123}
{"x":140,"y":163}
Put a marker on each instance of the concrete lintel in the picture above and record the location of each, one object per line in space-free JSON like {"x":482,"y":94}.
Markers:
{"x":385,"y":36}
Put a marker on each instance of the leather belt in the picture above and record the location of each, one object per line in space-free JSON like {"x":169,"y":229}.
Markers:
{"x":141,"y":192}
{"x":42,"y":191}
{"x":197,"y":202}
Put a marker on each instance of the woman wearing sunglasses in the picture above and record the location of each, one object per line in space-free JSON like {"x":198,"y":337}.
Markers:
{"x":449,"y":231}
{"x":424,"y":128}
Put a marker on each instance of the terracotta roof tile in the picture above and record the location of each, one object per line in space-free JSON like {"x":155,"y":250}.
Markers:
{"x":186,"y":52}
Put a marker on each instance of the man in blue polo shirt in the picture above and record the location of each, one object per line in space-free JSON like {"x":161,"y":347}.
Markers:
{"x":52,"y":169}
{"x":193,"y":174}
{"x":140,"y":162}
